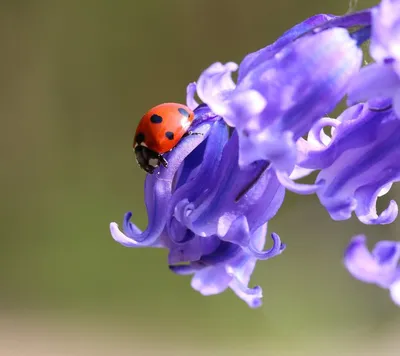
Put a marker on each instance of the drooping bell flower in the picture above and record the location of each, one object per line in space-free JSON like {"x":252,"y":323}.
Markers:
{"x":211,"y":206}
{"x":281,"y":93}
{"x":198,"y":211}
{"x":358,"y":163}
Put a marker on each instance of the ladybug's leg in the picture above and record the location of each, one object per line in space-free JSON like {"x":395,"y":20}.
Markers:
{"x":163,"y":161}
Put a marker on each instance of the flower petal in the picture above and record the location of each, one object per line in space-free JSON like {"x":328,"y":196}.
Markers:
{"x":158,"y":190}
{"x":211,"y":280}
{"x":253,"y":192}
{"x":360,"y":162}
{"x":367,"y":197}
{"x":288,"y":93}
{"x":206,"y":175}
{"x":277,"y":248}
{"x":386,"y":253}
{"x":190,"y":93}
{"x":215,"y":84}
{"x":124,"y":240}
{"x":252,"y":296}
{"x":298,"y":188}
{"x":254,"y":59}
{"x":328,"y":60}
{"x":353,"y":19}
{"x":385,"y":31}
{"x":192,"y":249}
{"x":371,"y":268}
{"x":374,"y":80}
{"x":239,"y":233}
{"x":279,"y":148}
{"x":395,"y":292}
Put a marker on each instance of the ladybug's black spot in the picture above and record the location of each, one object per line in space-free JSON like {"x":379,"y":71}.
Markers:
{"x":169,"y":135}
{"x":140,"y":138}
{"x":183,"y":112}
{"x":156,"y":119}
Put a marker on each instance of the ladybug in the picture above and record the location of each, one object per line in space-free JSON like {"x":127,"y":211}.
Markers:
{"x":158,"y":132}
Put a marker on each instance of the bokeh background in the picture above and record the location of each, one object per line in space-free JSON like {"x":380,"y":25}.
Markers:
{"x":76,"y":76}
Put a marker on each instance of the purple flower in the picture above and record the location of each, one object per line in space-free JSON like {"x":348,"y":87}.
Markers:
{"x":380,"y":267}
{"x":211,"y":206}
{"x":228,"y":265}
{"x":208,"y":212}
{"x":381,"y":79}
{"x":358,"y":163}
{"x":281,"y":92}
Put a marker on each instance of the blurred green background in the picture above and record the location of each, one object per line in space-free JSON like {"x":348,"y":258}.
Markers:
{"x":76,"y":78}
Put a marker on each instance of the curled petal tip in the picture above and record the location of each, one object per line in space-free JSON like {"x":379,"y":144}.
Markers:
{"x":182,"y":212}
{"x":215,"y":83}
{"x":252,"y":296}
{"x":132,"y":230}
{"x":277,"y":248}
{"x":386,"y":217}
{"x":120,"y":237}
{"x":317,"y":136}
{"x":127,"y":216}
{"x":298,"y":188}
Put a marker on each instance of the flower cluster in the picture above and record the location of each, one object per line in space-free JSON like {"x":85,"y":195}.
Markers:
{"x":211,"y":206}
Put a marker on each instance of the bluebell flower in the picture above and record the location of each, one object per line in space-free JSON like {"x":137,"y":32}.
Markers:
{"x":210,"y":208}
{"x":380,"y":267}
{"x":358,"y":163}
{"x":196,"y":211}
{"x":281,"y":92}
{"x":381,"y":78}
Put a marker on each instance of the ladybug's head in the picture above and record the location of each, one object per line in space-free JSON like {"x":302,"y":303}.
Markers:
{"x":148,"y":159}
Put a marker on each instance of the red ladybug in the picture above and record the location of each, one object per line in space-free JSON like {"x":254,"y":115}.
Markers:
{"x":158,"y":132}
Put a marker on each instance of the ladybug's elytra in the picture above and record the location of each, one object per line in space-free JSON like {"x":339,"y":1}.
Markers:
{"x":158,"y":132}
